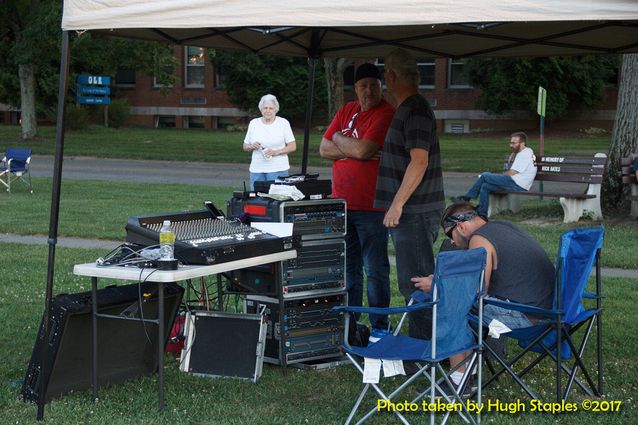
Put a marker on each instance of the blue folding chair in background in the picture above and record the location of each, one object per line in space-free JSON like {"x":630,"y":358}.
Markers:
{"x":458,"y":283}
{"x":555,"y":337}
{"x":15,"y":166}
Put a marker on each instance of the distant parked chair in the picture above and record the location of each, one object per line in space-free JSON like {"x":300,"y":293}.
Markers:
{"x":15,"y":166}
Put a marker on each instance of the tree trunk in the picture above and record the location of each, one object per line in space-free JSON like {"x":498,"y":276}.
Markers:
{"x":624,"y":138}
{"x":334,"y":68}
{"x":28,"y":119}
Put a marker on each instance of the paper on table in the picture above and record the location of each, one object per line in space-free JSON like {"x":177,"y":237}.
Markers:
{"x":281,"y":230}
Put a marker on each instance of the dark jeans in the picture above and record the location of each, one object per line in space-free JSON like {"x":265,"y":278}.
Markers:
{"x":490,"y":182}
{"x":367,"y":249}
{"x":413,"y":239}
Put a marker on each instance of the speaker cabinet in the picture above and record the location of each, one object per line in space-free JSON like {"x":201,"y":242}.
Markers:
{"x":224,"y":344}
{"x":126,"y":348}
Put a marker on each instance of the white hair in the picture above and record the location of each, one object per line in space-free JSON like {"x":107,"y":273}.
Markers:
{"x":404,"y":65}
{"x":269,"y":98}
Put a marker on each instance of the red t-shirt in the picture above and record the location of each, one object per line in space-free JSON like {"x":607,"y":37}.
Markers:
{"x":353,"y":179}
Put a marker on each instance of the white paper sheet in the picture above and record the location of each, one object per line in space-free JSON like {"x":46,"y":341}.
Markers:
{"x":281,"y":230}
{"x":371,"y":370}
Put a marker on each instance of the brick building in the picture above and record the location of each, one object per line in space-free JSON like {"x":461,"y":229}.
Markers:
{"x":199,"y":100}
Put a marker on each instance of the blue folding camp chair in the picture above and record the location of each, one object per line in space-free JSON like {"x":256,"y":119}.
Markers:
{"x":578,"y":253}
{"x":457,"y":285}
{"x":15,"y":166}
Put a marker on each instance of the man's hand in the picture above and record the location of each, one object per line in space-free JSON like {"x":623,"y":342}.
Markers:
{"x":392,"y":216}
{"x":423,"y":283}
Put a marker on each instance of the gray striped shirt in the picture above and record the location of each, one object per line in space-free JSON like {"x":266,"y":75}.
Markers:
{"x":413,"y":126}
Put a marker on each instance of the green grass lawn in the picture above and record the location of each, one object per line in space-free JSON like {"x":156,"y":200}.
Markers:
{"x":300,"y":397}
{"x":98,"y":209}
{"x":471,"y":153}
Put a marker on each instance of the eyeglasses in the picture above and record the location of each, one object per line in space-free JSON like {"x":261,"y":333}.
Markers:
{"x":450,"y":222}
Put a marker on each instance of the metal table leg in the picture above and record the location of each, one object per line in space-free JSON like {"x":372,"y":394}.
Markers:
{"x":160,"y":345}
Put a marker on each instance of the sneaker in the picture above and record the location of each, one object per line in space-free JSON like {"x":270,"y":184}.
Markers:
{"x":459,"y":199}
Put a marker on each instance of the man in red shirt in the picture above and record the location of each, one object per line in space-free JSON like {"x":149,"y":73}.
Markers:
{"x":354,"y":141}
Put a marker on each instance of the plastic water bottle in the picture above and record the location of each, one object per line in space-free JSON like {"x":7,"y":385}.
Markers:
{"x":167,"y":241}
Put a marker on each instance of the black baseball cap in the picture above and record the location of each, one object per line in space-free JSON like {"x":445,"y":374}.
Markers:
{"x":367,"y":70}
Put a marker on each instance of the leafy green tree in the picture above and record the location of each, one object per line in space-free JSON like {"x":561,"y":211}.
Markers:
{"x":30,"y":37}
{"x":571,"y":82}
{"x":248,"y":76}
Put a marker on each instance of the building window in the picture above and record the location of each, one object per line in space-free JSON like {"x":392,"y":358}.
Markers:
{"x":164,"y":121}
{"x":125,"y":77}
{"x":456,"y":126}
{"x":157,"y":83}
{"x":224,"y":122}
{"x":457,"y":77}
{"x":193,"y":122}
{"x":220,"y":77}
{"x":426,"y":71}
{"x":194,"y":66}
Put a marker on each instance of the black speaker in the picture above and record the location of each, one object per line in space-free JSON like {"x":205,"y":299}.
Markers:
{"x":126,"y":348}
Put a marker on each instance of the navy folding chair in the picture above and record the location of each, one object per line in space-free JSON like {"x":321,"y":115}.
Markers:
{"x":15,"y":166}
{"x":555,"y":337}
{"x":457,"y":285}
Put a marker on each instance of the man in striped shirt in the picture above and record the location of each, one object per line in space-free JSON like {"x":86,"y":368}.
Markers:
{"x":410,"y":181}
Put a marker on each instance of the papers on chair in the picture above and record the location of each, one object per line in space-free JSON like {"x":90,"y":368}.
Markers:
{"x":393,"y":368}
{"x":497,"y":329}
{"x":372,"y":369}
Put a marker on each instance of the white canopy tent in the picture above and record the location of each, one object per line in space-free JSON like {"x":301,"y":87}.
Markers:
{"x":352,"y":28}
{"x":370,"y":28}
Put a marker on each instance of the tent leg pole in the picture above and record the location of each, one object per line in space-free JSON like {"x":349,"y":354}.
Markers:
{"x":312,"y":65}
{"x":55,"y":208}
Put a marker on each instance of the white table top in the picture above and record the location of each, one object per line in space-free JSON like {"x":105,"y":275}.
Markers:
{"x":182,"y":273}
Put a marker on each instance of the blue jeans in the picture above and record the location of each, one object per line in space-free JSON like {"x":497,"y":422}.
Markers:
{"x":262,"y":177}
{"x":413,"y":239}
{"x":511,"y":318}
{"x":490,"y":182}
{"x":367,"y":250}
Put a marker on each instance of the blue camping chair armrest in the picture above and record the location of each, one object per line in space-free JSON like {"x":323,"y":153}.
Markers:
{"x":421,"y":302}
{"x":592,"y":296}
{"x":524,"y":308}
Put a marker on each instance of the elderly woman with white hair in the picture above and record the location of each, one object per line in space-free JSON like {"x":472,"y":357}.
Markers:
{"x":270,"y":140}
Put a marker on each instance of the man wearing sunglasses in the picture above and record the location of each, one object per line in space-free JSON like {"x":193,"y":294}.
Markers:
{"x":517,"y":267}
{"x":518,"y":177}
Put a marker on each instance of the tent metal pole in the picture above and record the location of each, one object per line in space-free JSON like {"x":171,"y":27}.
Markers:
{"x":313,"y":54}
{"x":55,"y":208}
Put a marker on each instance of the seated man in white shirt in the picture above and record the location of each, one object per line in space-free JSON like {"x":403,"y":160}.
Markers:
{"x":518,"y":177}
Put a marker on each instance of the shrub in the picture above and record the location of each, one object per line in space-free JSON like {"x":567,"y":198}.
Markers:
{"x":119,"y":111}
{"x":76,"y":117}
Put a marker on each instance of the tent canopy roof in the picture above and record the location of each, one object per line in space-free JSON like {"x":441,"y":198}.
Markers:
{"x":369,"y":28}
